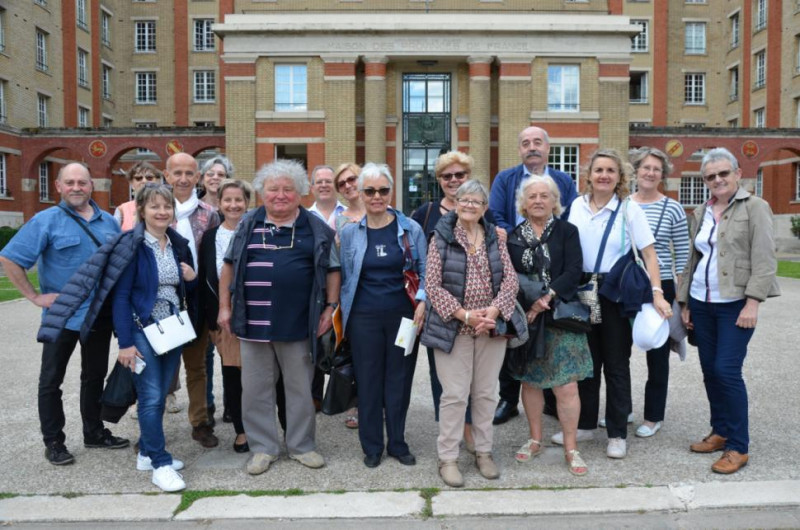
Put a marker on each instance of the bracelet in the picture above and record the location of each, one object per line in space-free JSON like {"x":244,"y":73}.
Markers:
{"x":658,"y":290}
{"x":466,"y":318}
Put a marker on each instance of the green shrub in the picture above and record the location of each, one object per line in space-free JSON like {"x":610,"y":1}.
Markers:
{"x":6,"y":233}
{"x":795,"y":225}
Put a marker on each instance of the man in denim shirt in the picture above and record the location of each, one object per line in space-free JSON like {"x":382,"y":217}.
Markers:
{"x":60,"y":239}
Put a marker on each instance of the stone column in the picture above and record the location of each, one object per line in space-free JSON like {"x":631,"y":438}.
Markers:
{"x":375,"y":109}
{"x":480,"y":115}
{"x":339,"y":104}
{"x":613,"y":92}
{"x":514,"y":106}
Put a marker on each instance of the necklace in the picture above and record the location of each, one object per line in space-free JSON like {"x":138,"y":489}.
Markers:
{"x":596,"y":207}
{"x":472,"y":246}
{"x":387,"y":218}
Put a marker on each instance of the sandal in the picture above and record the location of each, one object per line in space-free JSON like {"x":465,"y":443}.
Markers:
{"x":524,"y":453}
{"x":351,"y":419}
{"x":575,"y":463}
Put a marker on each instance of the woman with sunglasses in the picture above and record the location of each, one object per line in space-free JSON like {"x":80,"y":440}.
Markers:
{"x":374,"y":254}
{"x":451,"y":169}
{"x":731,"y":270}
{"x":471,"y":283}
{"x":138,"y":175}
{"x":345,"y":180}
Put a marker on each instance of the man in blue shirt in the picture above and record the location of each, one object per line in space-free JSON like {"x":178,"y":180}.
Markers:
{"x":59,"y":240}
{"x":534,"y":150}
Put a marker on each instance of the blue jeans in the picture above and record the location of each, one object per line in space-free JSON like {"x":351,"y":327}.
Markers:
{"x":151,"y":389}
{"x":723,"y":346}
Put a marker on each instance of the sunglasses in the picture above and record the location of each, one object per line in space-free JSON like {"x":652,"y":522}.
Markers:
{"x":383,"y":192}
{"x":148,"y":178}
{"x":713,"y":176}
{"x":459,"y":175}
{"x":349,"y":180}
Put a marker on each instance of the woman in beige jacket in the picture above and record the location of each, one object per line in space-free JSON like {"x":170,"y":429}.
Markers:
{"x":731,"y":271}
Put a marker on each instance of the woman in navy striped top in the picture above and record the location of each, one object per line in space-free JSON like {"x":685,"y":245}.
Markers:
{"x":667,"y":220}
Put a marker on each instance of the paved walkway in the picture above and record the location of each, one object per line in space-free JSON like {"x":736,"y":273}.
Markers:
{"x":659,"y":474}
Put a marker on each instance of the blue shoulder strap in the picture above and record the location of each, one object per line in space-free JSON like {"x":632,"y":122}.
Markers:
{"x":605,"y":238}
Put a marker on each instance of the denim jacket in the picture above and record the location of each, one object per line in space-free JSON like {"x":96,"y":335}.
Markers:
{"x":353,"y":239}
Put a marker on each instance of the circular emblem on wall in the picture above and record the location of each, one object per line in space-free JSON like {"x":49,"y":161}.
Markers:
{"x":750,"y":149}
{"x":98,"y":148}
{"x":674,"y":148}
{"x":174,"y":147}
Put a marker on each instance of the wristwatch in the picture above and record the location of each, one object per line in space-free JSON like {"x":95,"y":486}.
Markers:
{"x":334,"y":305}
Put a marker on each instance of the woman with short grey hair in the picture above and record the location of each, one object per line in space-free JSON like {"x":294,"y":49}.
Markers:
{"x":212,"y":173}
{"x":471,"y":284}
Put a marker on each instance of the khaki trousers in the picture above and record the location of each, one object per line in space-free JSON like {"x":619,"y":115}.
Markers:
{"x":470,"y":369}
{"x":194,"y":361}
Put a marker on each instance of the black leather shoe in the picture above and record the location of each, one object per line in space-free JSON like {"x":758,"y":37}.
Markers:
{"x":372,"y":460}
{"x":505,"y":411}
{"x":56,"y":453}
{"x":243,"y":448}
{"x":407,"y":459}
{"x":106,"y":441}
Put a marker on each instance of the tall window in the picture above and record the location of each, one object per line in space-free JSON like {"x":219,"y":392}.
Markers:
{"x":735,"y":30}
{"x":797,"y":112}
{"x":758,"y":118}
{"x":204,"y":87}
{"x":733,"y":80}
{"x":42,"y":116}
{"x":41,"y":50}
{"x":641,"y":41}
{"x":760,"y":182}
{"x":694,"y":89}
{"x":106,"y":82}
{"x":203,"y":36}
{"x":83,"y":117}
{"x":44,"y":181}
{"x":2,"y":101}
{"x":565,"y":158}
{"x":80,"y":13}
{"x":761,"y":69}
{"x":291,"y":86}
{"x":638,"y":87}
{"x":693,"y":191}
{"x":563,"y":88}
{"x":105,"y":28}
{"x":761,"y":15}
{"x":2,"y":29}
{"x":695,"y":38}
{"x":3,"y":181}
{"x":83,"y":68}
{"x":145,"y":88}
{"x":146,"y":36}
{"x":796,"y":182}
{"x":796,"y":54}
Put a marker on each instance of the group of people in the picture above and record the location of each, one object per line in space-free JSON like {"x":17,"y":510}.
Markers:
{"x":474,"y":271}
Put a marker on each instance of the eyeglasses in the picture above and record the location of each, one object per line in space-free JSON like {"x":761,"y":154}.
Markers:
{"x":652,"y":169}
{"x":276,"y":247}
{"x":458,"y":175}
{"x":383,"y":192}
{"x":470,"y":202}
{"x":349,"y":180}
{"x":148,"y":178}
{"x":713,"y":176}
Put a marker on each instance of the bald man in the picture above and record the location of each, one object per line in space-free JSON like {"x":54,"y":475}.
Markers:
{"x":59,"y":240}
{"x":192,"y":218}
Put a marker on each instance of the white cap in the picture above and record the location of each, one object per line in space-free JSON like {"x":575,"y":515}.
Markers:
{"x":650,"y":331}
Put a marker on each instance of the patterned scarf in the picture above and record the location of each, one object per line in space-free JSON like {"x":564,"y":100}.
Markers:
{"x":536,"y":257}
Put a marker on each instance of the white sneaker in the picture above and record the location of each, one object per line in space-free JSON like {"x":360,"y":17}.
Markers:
{"x":602,"y":422}
{"x":171,"y":405}
{"x":168,"y":479}
{"x":143,"y":463}
{"x":617,"y":448}
{"x":583,"y":435}
{"x":646,"y":432}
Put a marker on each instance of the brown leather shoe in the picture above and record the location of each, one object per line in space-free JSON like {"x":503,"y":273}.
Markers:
{"x":205,"y":435}
{"x":712,"y":442}
{"x":730,"y":462}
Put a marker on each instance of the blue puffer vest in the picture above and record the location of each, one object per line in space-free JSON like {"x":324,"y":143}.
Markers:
{"x":436,"y":332}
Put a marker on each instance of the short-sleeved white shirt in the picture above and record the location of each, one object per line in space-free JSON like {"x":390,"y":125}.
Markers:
{"x":591,"y":227}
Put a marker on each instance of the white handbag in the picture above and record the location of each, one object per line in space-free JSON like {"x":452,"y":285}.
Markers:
{"x":167,"y":334}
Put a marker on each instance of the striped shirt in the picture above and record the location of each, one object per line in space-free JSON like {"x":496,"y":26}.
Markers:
{"x":673,"y":229}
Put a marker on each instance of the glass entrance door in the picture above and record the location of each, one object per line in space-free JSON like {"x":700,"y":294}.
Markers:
{"x":426,"y":134}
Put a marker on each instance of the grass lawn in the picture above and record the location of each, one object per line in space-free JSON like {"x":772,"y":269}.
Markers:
{"x":789,"y":269}
{"x":9,"y":292}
